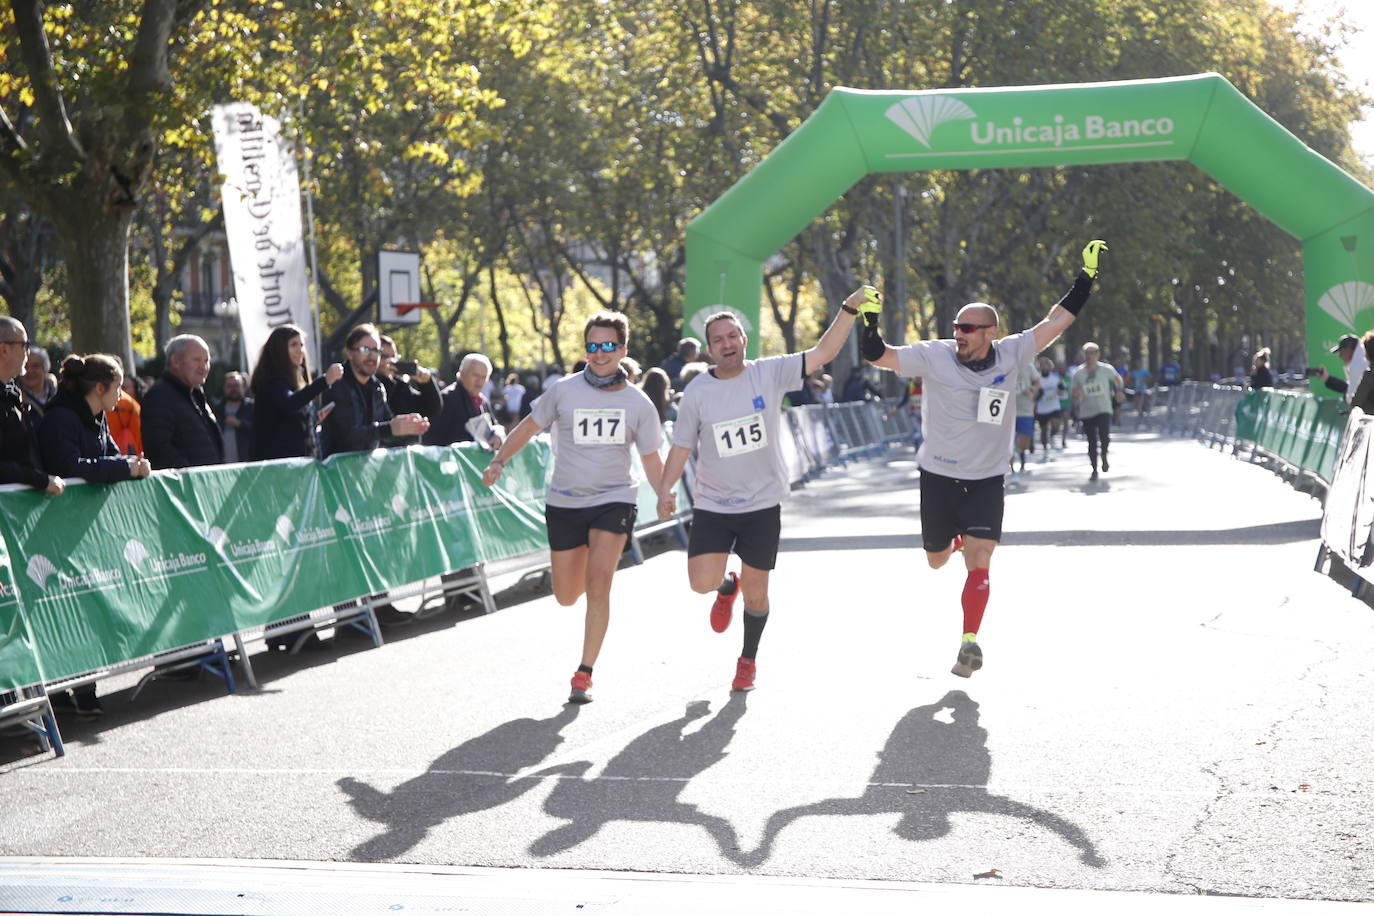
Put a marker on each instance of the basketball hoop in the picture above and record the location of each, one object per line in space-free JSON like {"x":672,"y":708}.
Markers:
{"x":405,"y":307}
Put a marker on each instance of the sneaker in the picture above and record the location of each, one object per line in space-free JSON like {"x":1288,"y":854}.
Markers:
{"x":1094,"y":477}
{"x":957,"y":544}
{"x":745,"y":670}
{"x":581,"y":684}
{"x":722,"y":609}
{"x":970,"y":660}
{"x":1105,"y":467}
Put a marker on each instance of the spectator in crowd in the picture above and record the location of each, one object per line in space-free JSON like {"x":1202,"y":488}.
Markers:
{"x":179,"y":428}
{"x":822,"y":387}
{"x":631,"y":369}
{"x":688,"y":351}
{"x":466,"y":414}
{"x":1363,"y":397}
{"x":75,"y":441}
{"x":19,"y":458}
{"x":410,"y":388}
{"x":362,"y":417}
{"x":1170,"y":373}
{"x":74,"y":436}
{"x":689,"y":372}
{"x":555,"y":373}
{"x":659,"y":390}
{"x":39,"y":382}
{"x":284,"y":397}
{"x":513,"y":395}
{"x":858,"y":388}
{"x":1352,"y":355}
{"x":235,"y":415}
{"x":126,"y":420}
{"x":1260,"y":376}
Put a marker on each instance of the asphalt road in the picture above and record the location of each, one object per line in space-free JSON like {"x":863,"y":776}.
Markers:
{"x":1173,"y":702}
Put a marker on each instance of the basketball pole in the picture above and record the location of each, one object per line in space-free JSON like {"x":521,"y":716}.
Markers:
{"x":310,"y":222}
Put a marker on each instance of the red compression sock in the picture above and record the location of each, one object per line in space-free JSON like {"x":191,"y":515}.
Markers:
{"x":975,"y":599}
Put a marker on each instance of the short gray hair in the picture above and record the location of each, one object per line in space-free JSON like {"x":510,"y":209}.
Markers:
{"x":179,"y":344}
{"x":42,"y":354}
{"x":474,"y":358}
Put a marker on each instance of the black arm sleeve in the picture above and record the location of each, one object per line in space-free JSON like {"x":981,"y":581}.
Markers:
{"x":1338,"y":385}
{"x":1077,"y":296}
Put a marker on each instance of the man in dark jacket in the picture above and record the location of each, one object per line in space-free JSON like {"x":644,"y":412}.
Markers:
{"x":464,"y":403}
{"x":19,"y":461}
{"x":361,"y":417}
{"x":179,"y":428}
{"x":235,"y":417}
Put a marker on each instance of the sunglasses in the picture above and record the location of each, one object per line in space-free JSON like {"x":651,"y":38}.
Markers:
{"x":606,"y":346}
{"x":368,"y":351}
{"x":969,"y":328}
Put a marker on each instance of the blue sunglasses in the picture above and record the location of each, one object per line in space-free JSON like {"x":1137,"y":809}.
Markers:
{"x":606,"y":346}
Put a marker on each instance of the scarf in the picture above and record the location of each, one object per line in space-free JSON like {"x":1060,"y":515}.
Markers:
{"x":609,"y":381}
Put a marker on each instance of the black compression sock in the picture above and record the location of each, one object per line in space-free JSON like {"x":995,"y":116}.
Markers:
{"x":754,"y":622}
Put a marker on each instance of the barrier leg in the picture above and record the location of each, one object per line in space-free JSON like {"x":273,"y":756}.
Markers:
{"x":1321,"y":558}
{"x":248,"y":673}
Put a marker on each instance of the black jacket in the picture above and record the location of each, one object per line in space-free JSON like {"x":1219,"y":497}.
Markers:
{"x":19,"y":461}
{"x":76,"y":443}
{"x":452,"y":423}
{"x":361,"y":416}
{"x":283,"y":421}
{"x":405,"y":395}
{"x":244,"y":432}
{"x":179,"y":429}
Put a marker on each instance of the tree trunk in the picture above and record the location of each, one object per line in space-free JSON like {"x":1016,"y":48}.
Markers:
{"x":96,"y":250}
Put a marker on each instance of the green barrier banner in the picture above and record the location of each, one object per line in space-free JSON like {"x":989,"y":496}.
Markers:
{"x":19,"y":662}
{"x":1302,"y":430}
{"x":106,"y":574}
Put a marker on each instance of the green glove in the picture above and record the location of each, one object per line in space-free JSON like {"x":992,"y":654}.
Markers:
{"x":1091,"y":252}
{"x":871,"y":307}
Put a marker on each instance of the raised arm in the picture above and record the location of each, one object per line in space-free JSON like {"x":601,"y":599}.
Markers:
{"x":1066,"y":310}
{"x":871,"y":344}
{"x":828,"y":347}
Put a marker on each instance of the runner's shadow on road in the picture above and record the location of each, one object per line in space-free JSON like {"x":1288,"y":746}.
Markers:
{"x":474,"y":776}
{"x":643,"y":781}
{"x":934,"y":764}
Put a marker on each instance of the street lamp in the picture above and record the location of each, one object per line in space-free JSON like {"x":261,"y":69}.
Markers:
{"x":227,"y":313}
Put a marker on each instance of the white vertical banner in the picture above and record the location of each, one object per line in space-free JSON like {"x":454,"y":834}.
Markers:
{"x":262,"y":219}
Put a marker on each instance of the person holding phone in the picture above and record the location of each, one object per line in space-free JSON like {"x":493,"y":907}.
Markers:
{"x":284,"y":396}
{"x":967,"y":436}
{"x":410,"y":388}
{"x":597,"y":416}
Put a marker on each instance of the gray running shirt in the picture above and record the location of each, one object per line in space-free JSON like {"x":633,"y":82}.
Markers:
{"x":733,"y":424}
{"x":957,"y":444}
{"x":1098,"y":386}
{"x":592,"y":433}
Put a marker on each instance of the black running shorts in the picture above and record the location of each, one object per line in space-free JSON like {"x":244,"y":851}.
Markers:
{"x":950,"y":507}
{"x":568,"y":527}
{"x":753,"y":536}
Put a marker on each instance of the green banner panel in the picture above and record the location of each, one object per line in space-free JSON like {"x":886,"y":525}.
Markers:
{"x":109,"y":573}
{"x":19,"y":661}
{"x":1303,"y":430}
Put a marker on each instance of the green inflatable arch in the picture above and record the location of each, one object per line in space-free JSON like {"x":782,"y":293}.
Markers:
{"x":1202,"y":119}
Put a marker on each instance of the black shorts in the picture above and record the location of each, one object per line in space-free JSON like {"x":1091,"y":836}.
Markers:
{"x":950,"y":507}
{"x":753,"y":536}
{"x":568,"y":527}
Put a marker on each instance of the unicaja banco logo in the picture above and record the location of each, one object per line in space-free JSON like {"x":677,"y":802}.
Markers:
{"x":919,"y":116}
{"x":136,"y":554}
{"x":40,"y":569}
{"x":1345,"y":301}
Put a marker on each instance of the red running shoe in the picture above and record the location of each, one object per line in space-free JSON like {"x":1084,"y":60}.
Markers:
{"x":581,"y":683}
{"x":957,"y":543}
{"x":722,"y":609}
{"x":745,"y":670}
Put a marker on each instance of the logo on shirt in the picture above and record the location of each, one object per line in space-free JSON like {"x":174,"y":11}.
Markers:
{"x":758,"y":403}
